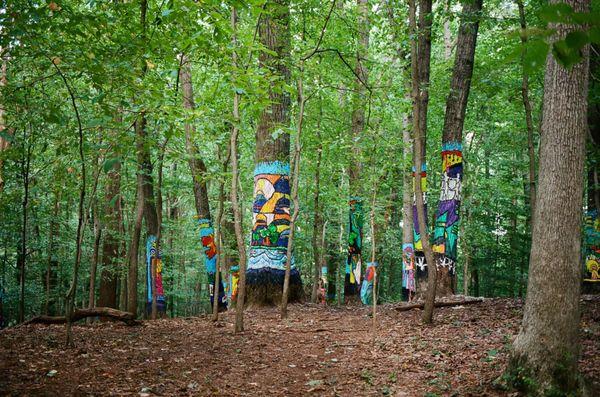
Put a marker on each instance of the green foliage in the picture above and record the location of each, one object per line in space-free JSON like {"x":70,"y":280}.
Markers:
{"x":100,"y":50}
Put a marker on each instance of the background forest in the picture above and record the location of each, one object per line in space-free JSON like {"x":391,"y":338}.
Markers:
{"x":94,"y":67}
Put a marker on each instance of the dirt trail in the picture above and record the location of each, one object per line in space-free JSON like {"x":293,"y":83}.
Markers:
{"x":318,"y":351}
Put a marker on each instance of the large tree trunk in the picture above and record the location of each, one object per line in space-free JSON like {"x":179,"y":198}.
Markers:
{"x":356,"y":217}
{"x":111,"y":244}
{"x":445,"y":237}
{"x":546,"y":351}
{"x":198,"y":170}
{"x":271,"y":209}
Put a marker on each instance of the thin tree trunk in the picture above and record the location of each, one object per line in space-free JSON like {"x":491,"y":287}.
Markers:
{"x":317,"y":220}
{"x":408,"y":249}
{"x":445,"y":238}
{"x":134,"y":247}
{"x":52,"y":269}
{"x":4,"y":143}
{"x":546,"y":351}
{"x":198,"y":171}
{"x":218,"y":292}
{"x":22,"y":258}
{"x":420,"y":54}
{"x":111,"y":245}
{"x":527,"y":107}
{"x":295,"y":181}
{"x":235,"y":203}
{"x":95,"y":255}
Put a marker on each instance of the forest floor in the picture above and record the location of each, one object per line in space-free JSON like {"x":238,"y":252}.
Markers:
{"x":318,"y":351}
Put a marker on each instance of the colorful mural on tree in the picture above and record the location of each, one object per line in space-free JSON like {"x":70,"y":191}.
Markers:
{"x":592,"y":247}
{"x":445,"y":237}
{"x":354,"y":261}
{"x":419,"y":255}
{"x":366,"y":290}
{"x":153,"y":259}
{"x":207,"y":236}
{"x":232,"y":285}
{"x":271,"y":225}
{"x":408,"y":270}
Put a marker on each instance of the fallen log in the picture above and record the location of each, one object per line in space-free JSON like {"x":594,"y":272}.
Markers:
{"x":79,"y":314}
{"x":421,"y":305}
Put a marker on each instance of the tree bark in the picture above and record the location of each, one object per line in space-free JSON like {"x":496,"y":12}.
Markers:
{"x":52,"y":269}
{"x":420,"y":61}
{"x":421,"y":53}
{"x":22,"y":257}
{"x":4,"y":143}
{"x":80,"y":314}
{"x":445,"y":238}
{"x":317,"y":219}
{"x":527,"y":107}
{"x":546,"y":351}
{"x":198,"y":170}
{"x":134,"y":247}
{"x":95,"y":255}
{"x":111,"y":245}
{"x":271,"y":209}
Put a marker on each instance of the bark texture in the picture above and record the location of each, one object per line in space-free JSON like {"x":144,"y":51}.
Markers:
{"x":111,"y":245}
{"x":546,"y":351}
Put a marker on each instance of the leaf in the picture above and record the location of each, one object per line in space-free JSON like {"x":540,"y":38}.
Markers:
{"x":560,"y":12}
{"x":576,"y":39}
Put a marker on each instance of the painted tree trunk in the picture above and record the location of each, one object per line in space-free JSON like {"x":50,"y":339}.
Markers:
{"x":353,"y":277}
{"x":271,"y":209}
{"x":445,"y":237}
{"x":198,"y":171}
{"x":546,"y":351}
{"x":111,"y":245}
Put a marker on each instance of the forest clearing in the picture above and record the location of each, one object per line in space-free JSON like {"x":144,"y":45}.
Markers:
{"x":317,"y":351}
{"x":300,"y":197}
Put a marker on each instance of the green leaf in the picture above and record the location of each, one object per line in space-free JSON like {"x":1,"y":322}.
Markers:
{"x":560,"y":12}
{"x":576,"y":39}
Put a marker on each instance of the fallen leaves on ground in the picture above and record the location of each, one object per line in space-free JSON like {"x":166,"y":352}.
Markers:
{"x":317,"y":351}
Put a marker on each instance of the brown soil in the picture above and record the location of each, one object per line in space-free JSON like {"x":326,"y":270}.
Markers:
{"x":318,"y":351}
